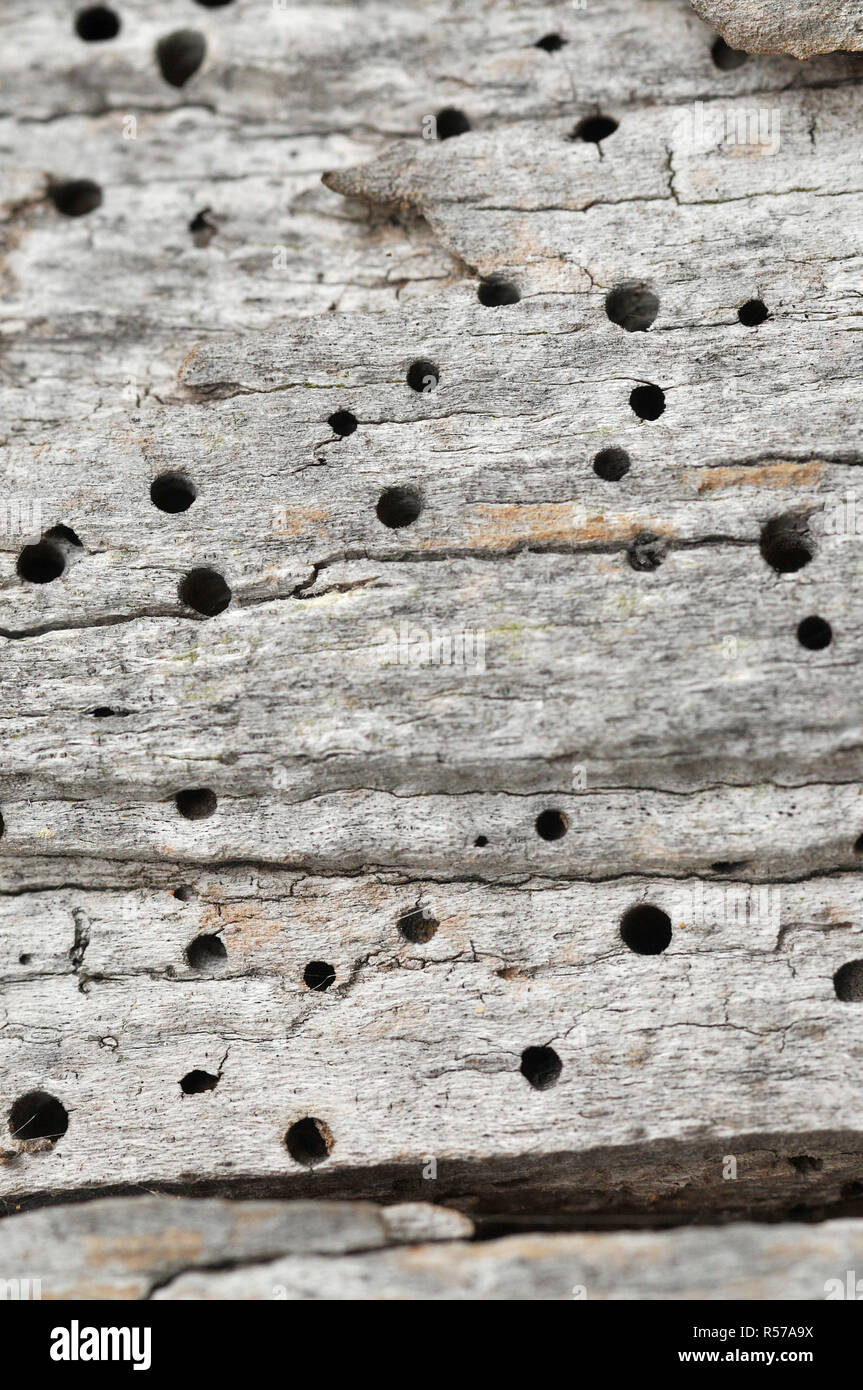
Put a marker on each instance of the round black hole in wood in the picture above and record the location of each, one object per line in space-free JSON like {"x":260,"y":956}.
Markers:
{"x":196,"y":803}
{"x":611,"y":464}
{"x":481,"y":841}
{"x":726,"y":58}
{"x":319,"y":975}
{"x":96,"y":24}
{"x":172,"y":492}
{"x":646,"y":929}
{"x":594,"y":129}
{"x":342,"y":422}
{"x":76,"y":198}
{"x":41,"y":562}
{"x":24,"y":958}
{"x":814,"y":633}
{"x":848,"y":982}
{"x":194,"y":1082}
{"x":753,"y":312}
{"x":496,"y":291}
{"x":632,"y":305}
{"x":785,"y":543}
{"x":179,"y":55}
{"x":551,"y":825}
{"x":399,"y":506}
{"x":541,"y":1066}
{"x":309,"y":1141}
{"x":418,"y":926}
{"x":38,"y":1115}
{"x":449,"y":122}
{"x":422,"y":375}
{"x":647,"y":401}
{"x":646,"y":551}
{"x":206,"y":952}
{"x":205,"y":591}
{"x":551,"y":43}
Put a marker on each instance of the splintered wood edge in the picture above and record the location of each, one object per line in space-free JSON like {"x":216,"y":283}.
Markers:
{"x":796,"y":27}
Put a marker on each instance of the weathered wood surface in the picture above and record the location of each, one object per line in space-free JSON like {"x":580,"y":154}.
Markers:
{"x":799,"y":27}
{"x":669,"y":714}
{"x":156,"y":1247}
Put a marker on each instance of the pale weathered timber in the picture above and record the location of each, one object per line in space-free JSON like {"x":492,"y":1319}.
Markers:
{"x":743,"y":1261}
{"x":413,"y":1054}
{"x":207,"y":319}
{"x":799,"y":27}
{"x":128,"y":1248}
{"x":163,"y":1248}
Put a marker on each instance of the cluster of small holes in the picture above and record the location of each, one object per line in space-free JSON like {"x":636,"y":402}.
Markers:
{"x":633,"y":306}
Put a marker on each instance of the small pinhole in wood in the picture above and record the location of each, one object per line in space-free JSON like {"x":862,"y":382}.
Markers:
{"x":179,"y":55}
{"x":38,"y":1115}
{"x":42,"y":562}
{"x":541,"y":1066}
{"x":551,"y":43}
{"x":495,"y":292}
{"x":76,"y":198}
{"x":24,"y":958}
{"x":646,"y":551}
{"x":202,"y":229}
{"x":726,"y":58}
{"x":206,"y":952}
{"x":551,"y":825}
{"x":814,"y":633}
{"x":205,"y":591}
{"x":594,"y":129}
{"x":848,"y":982}
{"x":309,"y":1141}
{"x":318,"y":975}
{"x":96,"y":24}
{"x":753,"y":312}
{"x":449,"y":122}
{"x":423,"y":375}
{"x":646,"y":929}
{"x":194,"y":1082}
{"x":806,"y":1164}
{"x":647,"y":401}
{"x":399,"y":506}
{"x":481,"y":841}
{"x":632,"y":305}
{"x":172,"y":492}
{"x":342,"y":423}
{"x":196,"y":803}
{"x":785,"y":543}
{"x":611,"y":464}
{"x":418,"y":926}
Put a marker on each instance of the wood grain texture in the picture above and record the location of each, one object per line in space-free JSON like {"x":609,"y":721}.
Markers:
{"x":277,"y":241}
{"x":156,"y":1247}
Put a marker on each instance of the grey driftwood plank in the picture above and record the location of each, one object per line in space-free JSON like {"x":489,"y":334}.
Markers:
{"x":744,"y":1261}
{"x":163,"y":1248}
{"x":698,"y":758}
{"x":126,"y":1248}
